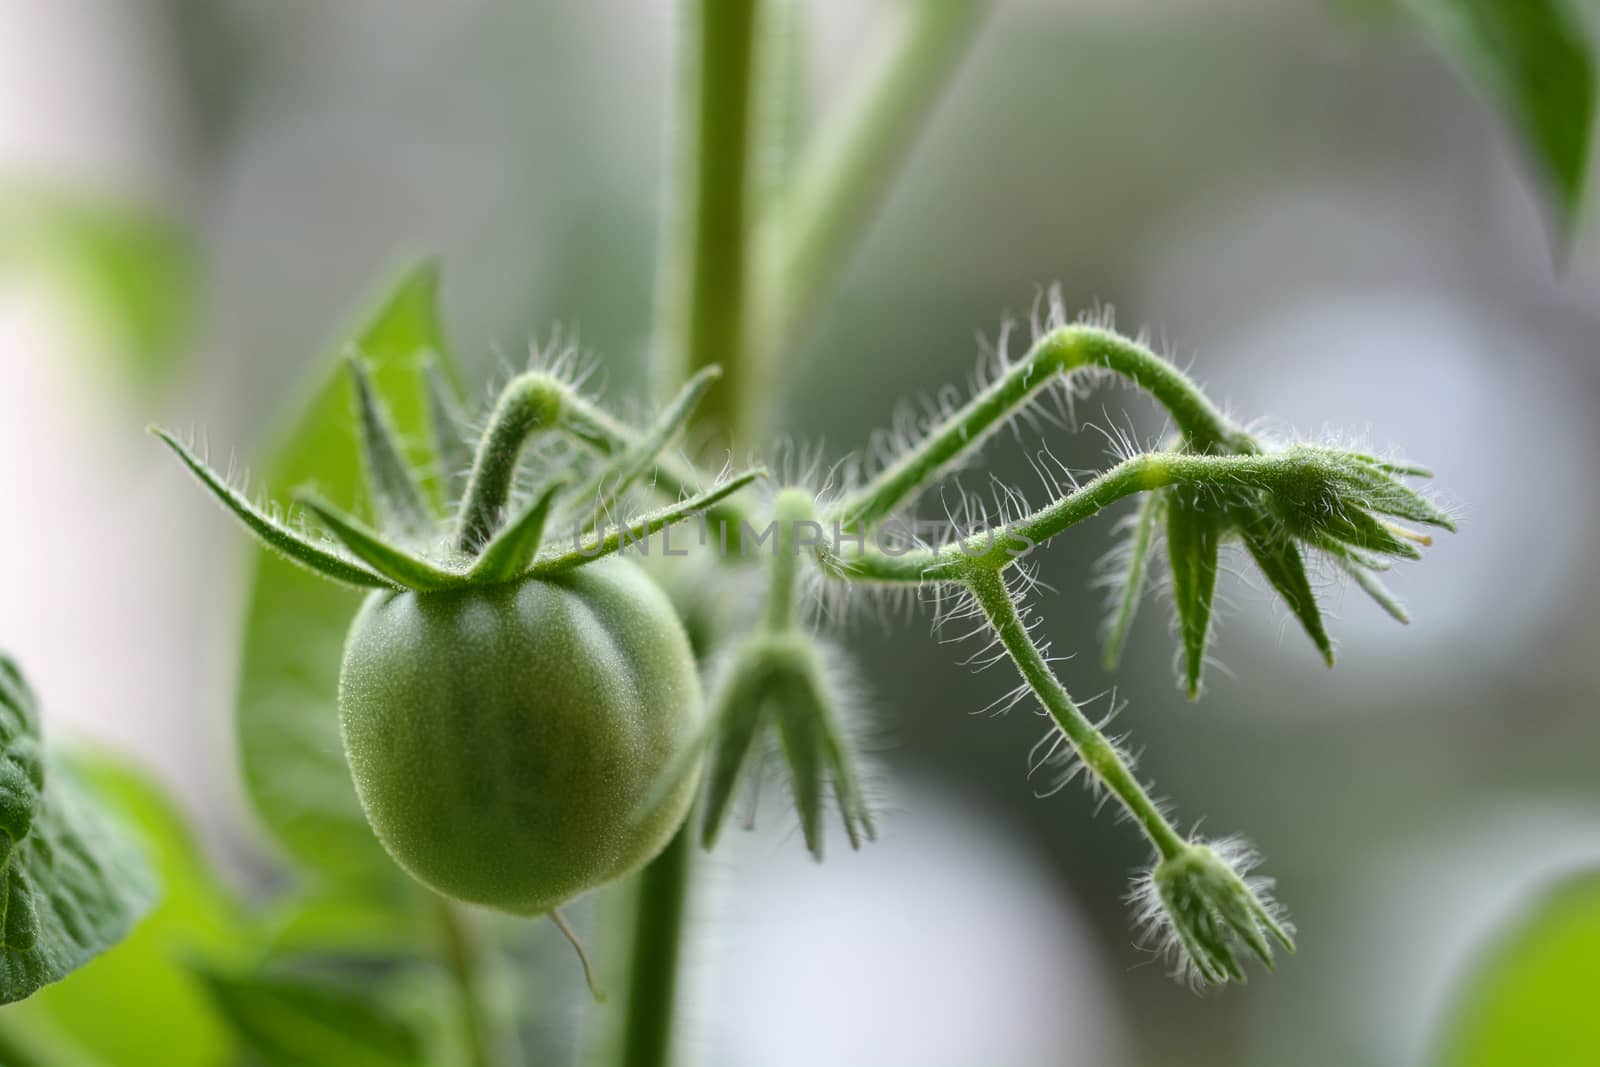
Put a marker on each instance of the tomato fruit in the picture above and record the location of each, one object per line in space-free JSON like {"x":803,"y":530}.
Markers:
{"x":503,"y":737}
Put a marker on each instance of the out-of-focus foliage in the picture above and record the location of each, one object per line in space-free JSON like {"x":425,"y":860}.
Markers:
{"x":288,"y":720}
{"x":1535,"y":60}
{"x":295,"y":1020}
{"x":71,"y":884}
{"x":129,"y":270}
{"x":1532,"y":998}
{"x":138,"y":1003}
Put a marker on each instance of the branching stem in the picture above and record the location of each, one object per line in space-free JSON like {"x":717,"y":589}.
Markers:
{"x":994,"y":549}
{"x":1061,"y":351}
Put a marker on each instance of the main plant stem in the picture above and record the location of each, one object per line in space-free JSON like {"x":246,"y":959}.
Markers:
{"x":705,"y":275}
{"x":663,"y":898}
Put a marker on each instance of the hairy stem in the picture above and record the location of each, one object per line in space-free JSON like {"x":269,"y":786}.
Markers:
{"x":996,"y":548}
{"x":663,"y":896}
{"x":1097,"y":753}
{"x":794,"y":508}
{"x":705,"y":272}
{"x":1061,"y":351}
{"x":529,"y":403}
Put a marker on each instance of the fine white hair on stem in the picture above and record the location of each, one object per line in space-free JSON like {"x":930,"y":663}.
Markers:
{"x":1200,"y":910}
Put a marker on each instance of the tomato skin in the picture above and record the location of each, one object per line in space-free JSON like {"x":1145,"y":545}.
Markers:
{"x":502,"y":738}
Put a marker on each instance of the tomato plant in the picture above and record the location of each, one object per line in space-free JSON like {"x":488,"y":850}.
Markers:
{"x":517,"y":713}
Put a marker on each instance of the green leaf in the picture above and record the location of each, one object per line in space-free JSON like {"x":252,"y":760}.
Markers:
{"x":287,"y":717}
{"x":1194,"y":534}
{"x":136,"y":1004}
{"x":71,"y":884}
{"x":1530,"y":999}
{"x":1534,"y":60}
{"x":129,"y":269}
{"x":292,"y":1020}
{"x":383,"y":922}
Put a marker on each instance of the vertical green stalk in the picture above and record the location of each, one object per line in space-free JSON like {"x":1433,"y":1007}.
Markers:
{"x":793,"y":506}
{"x":461,"y":958}
{"x":705,"y":283}
{"x":705,"y":275}
{"x":663,"y":898}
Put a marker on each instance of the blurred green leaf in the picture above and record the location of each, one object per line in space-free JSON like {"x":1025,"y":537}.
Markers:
{"x":1531,"y":999}
{"x":388,"y":920}
{"x":33,"y":1047}
{"x":1535,"y":61}
{"x":287,"y":717}
{"x":137,"y":1004}
{"x":71,"y":884}
{"x":292,"y":1020}
{"x":128,"y":268}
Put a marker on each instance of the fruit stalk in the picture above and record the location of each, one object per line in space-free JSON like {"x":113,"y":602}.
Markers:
{"x":1097,"y":752}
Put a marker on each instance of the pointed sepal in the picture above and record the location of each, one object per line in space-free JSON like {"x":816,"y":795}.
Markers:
{"x":737,"y":720}
{"x":1205,"y":908}
{"x":641,"y":529}
{"x":273,"y":533}
{"x":513,"y":548}
{"x":607,"y":486}
{"x":1364,"y":568}
{"x":447,"y":425}
{"x":396,"y":496}
{"x":1281,"y":563}
{"x":810,"y":700}
{"x":1133,"y":570}
{"x":800,"y":736}
{"x":399,"y":566}
{"x":1194,"y":536}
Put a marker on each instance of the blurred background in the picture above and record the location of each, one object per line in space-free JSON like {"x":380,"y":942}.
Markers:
{"x":1302,"y":200}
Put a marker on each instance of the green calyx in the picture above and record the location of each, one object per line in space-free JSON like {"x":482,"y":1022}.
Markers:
{"x":785,"y":684}
{"x":1205,"y":910}
{"x":488,"y":537}
{"x":782,"y":682}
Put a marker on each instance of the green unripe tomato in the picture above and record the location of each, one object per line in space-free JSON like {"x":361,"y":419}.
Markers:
{"x":502,"y":738}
